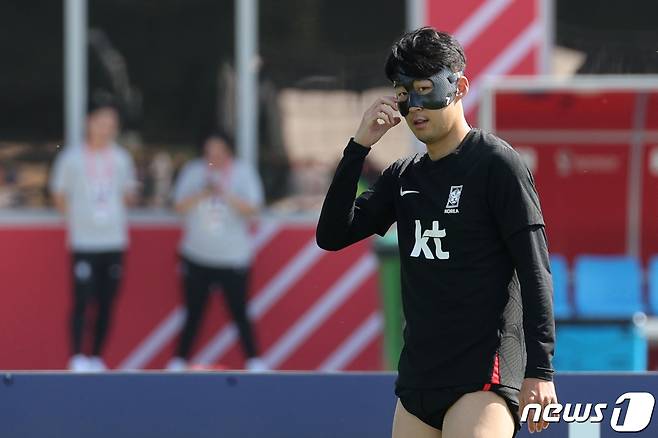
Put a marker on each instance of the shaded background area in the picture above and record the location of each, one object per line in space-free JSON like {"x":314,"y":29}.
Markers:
{"x":170,"y":66}
{"x":173,"y":52}
{"x":616,"y":36}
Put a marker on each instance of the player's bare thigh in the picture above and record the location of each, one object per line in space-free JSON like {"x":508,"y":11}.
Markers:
{"x":482,"y":414}
{"x":406,"y":425}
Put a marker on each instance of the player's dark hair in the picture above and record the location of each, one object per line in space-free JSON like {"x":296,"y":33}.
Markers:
{"x":423,"y":53}
{"x":102,"y":100}
{"x":219,"y":135}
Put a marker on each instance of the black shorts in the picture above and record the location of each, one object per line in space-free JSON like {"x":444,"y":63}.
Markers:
{"x":430,"y":405}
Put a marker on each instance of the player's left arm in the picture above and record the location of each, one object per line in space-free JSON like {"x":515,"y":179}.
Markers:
{"x":60,"y":182}
{"x":529,"y":251}
{"x":516,"y":208}
{"x":250,"y":200}
{"x":130,"y":185}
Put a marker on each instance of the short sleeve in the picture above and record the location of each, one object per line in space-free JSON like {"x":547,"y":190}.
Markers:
{"x":129,"y":183}
{"x":185,"y":185}
{"x":253,"y":187}
{"x":60,"y":177}
{"x":512,"y":195}
{"x":376,"y":205}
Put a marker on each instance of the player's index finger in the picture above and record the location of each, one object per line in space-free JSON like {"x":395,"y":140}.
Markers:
{"x":387,"y":109}
{"x":390,"y":101}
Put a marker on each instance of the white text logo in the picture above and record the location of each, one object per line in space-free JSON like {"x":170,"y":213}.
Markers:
{"x":638,"y":412}
{"x":422,"y":239}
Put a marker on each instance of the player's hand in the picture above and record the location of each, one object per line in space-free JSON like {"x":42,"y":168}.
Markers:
{"x":205,"y":193}
{"x":218,"y":190}
{"x":377,"y":120}
{"x":540,"y":392}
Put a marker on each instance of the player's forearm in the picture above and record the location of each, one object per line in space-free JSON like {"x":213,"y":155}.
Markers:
{"x":530,"y":253}
{"x":189,"y":202}
{"x":130,"y":199}
{"x":337,"y":214}
{"x":59,"y":200}
{"x":244,"y":208}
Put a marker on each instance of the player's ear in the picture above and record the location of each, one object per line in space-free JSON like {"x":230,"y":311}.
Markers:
{"x":462,"y":87}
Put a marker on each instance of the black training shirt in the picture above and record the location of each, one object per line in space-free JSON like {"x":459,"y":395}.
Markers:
{"x":467,"y":224}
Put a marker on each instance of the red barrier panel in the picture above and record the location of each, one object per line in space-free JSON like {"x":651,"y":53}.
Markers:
{"x":583,"y":190}
{"x":579,"y":145}
{"x":499,"y":38}
{"x":312,"y":308}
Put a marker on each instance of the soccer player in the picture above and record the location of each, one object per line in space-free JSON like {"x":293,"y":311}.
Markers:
{"x":217,"y":195}
{"x":476,"y":281}
{"x":92,"y":185}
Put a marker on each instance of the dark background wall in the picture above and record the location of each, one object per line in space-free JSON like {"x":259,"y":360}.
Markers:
{"x":617,"y":36}
{"x":173,"y":49}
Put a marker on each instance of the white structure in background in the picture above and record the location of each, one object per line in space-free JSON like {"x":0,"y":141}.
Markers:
{"x":75,"y":70}
{"x":415,"y":17}
{"x":246,"y":97}
{"x":246,"y":49}
{"x":415,"y":14}
{"x":640,"y":84}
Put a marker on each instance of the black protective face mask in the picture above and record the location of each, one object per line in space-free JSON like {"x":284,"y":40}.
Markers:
{"x":442,"y":94}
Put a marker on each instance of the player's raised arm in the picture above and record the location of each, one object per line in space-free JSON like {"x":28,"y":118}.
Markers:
{"x":343,"y":219}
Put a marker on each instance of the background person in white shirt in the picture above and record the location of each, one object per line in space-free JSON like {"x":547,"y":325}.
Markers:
{"x":217,"y":195}
{"x":92,"y":184}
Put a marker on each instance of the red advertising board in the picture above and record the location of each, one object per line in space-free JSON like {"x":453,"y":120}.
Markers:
{"x":500,"y":37}
{"x":312,"y":309}
{"x":580,"y":146}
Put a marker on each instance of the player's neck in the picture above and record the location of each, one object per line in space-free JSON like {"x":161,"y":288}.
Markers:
{"x":219,"y":164}
{"x":449,"y":142}
{"x":97,"y":144}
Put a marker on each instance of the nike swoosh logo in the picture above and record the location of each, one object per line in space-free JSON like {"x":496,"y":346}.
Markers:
{"x":406,"y":192}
